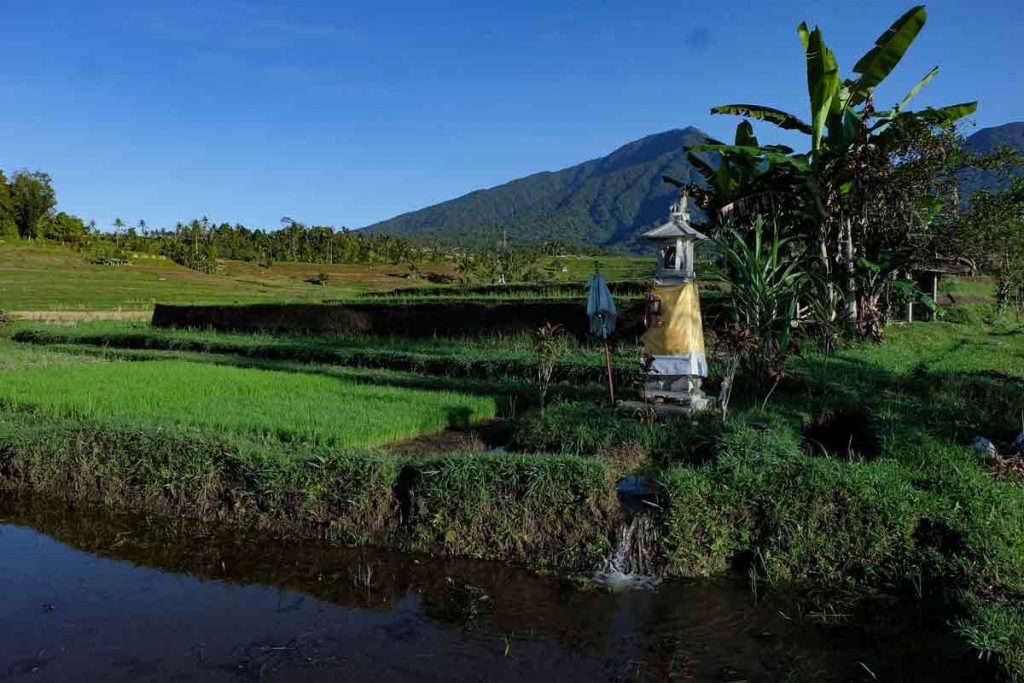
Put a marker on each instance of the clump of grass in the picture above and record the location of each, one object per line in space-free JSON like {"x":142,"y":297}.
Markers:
{"x":707,"y":526}
{"x":276,"y":405}
{"x":558,"y":509}
{"x":789,"y":516}
{"x":583,"y":428}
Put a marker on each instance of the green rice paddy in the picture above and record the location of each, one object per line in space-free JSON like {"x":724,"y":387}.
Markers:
{"x":285,"y":406}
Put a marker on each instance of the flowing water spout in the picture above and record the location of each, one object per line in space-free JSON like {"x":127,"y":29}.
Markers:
{"x":630,"y":564}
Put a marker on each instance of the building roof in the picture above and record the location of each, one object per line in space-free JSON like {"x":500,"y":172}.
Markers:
{"x":674,"y":229}
{"x":945,"y":266}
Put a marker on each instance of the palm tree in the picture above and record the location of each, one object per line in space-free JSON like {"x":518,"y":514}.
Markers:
{"x":118,"y":227}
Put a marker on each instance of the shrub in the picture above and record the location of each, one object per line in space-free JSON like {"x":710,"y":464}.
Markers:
{"x":319,"y":279}
{"x":107,"y":254}
{"x":764,"y":284}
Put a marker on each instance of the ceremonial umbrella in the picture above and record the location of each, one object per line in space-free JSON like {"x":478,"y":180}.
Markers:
{"x":602,"y":314}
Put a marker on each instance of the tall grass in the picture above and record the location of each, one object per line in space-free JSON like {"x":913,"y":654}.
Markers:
{"x":278,"y":405}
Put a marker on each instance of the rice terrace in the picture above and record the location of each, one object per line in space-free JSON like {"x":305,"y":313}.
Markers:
{"x":737,"y":402}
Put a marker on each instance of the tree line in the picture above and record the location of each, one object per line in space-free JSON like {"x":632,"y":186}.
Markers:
{"x":28,"y":204}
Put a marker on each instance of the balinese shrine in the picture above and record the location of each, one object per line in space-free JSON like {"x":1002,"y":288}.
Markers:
{"x":673,"y":356}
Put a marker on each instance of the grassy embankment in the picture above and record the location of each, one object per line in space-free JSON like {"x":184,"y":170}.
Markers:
{"x":857,"y":478}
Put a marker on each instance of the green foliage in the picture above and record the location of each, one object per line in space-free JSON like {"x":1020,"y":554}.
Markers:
{"x":871,"y":181}
{"x":707,"y":525}
{"x":64,"y":228}
{"x":107,"y":254}
{"x":765,"y":284}
{"x":826,"y":314}
{"x":8,"y":222}
{"x":550,"y":344}
{"x":582,"y":428}
{"x":876,"y":65}
{"x":789,"y":515}
{"x":193,"y":247}
{"x":830,"y":522}
{"x":996,"y":631}
{"x":14,"y":356}
{"x":33,"y":198}
{"x":995,"y":237}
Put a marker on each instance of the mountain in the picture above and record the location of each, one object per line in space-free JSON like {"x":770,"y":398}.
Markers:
{"x":606,"y":202}
{"x":989,"y":140}
{"x":602,"y":202}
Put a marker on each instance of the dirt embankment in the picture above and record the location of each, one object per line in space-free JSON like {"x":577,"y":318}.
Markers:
{"x":80,"y":316}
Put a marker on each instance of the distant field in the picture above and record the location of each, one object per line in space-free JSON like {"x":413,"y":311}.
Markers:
{"x":286,"y":406}
{"x":579,"y":268}
{"x":39,"y":279}
{"x":47,"y":278}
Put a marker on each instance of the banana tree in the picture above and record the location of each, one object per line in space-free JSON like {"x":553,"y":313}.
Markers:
{"x":843,"y":125}
{"x":748,"y":178}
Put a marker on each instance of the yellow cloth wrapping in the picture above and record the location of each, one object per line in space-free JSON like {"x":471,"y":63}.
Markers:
{"x":678,"y":329}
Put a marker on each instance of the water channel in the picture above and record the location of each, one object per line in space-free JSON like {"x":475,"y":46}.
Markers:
{"x":92,"y":595}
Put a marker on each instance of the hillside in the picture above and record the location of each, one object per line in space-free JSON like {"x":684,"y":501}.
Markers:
{"x":989,"y":140}
{"x":601,"y":202}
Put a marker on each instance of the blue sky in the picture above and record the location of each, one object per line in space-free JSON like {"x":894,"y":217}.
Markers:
{"x":344,"y":113}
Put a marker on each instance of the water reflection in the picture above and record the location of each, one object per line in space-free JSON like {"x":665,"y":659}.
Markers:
{"x":91,"y":595}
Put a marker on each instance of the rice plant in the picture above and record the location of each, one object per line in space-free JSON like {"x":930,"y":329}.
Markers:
{"x":277,"y":405}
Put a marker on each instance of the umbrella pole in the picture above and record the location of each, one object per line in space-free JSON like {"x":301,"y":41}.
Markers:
{"x":608,"y":364}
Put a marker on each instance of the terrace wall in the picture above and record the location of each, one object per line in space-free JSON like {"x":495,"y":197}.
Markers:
{"x":402,"y":319}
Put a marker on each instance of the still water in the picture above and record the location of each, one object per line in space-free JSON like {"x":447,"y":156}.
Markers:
{"x":92,"y":596}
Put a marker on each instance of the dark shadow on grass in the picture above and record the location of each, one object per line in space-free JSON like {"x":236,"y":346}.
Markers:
{"x":953,"y":406}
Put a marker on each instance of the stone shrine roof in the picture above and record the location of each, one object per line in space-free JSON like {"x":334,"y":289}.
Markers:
{"x":674,"y":229}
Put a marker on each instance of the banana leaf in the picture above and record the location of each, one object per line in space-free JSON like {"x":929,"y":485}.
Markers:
{"x":889,"y":49}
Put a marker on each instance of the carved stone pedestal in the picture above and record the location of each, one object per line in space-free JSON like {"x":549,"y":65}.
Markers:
{"x":683,"y":391}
